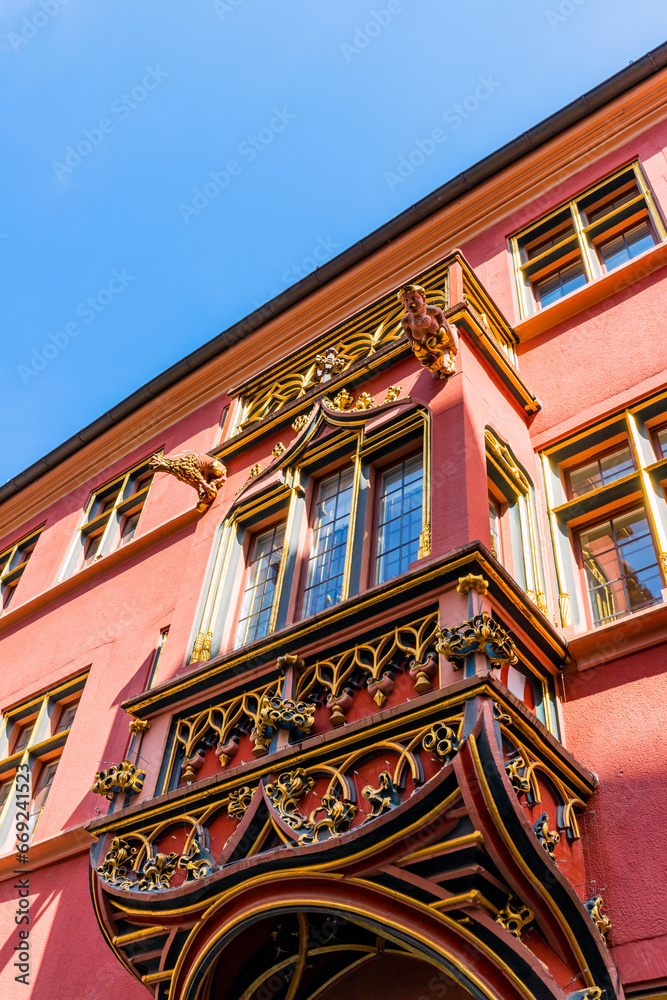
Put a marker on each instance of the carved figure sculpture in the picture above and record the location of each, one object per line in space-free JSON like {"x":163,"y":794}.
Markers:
{"x":204,"y":473}
{"x":433,"y":341}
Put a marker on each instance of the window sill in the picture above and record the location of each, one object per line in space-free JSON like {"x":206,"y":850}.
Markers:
{"x":89,"y":574}
{"x":592,"y":293}
{"x":612,"y":641}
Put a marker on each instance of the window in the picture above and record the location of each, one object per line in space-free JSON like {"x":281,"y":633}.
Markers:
{"x":513,"y":535}
{"x":595,"y":233}
{"x":260,"y":587}
{"x":111,"y":517}
{"x":159,"y":650}
{"x":494,"y":522}
{"x":66,"y":718}
{"x":601,"y":471}
{"x":23,"y":739}
{"x":5,"y":790}
{"x":43,"y":787}
{"x":608,"y":516}
{"x":37,"y":730}
{"x":661,"y":442}
{"x":331,"y":522}
{"x":13,"y":561}
{"x":621,"y":567}
{"x":400,"y":518}
{"x":350,"y":510}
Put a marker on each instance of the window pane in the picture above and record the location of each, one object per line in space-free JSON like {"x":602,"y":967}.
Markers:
{"x":662,"y":442}
{"x":324,"y":581}
{"x":129,"y":527}
{"x":621,"y":568}
{"x":66,"y":718}
{"x":600,"y":472}
{"x":561,"y":283}
{"x":260,"y":589}
{"x":494,"y":519}
{"x":400,"y":520}
{"x":625,"y":246}
{"x":24,"y":739}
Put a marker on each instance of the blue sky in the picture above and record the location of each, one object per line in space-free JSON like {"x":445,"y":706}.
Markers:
{"x":289,"y":118}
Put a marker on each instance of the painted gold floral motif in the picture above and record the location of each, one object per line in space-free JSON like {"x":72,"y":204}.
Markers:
{"x":514,"y":916}
{"x":124,"y":778}
{"x":239,"y":800}
{"x":285,"y":792}
{"x":442,"y":741}
{"x":547,"y":838}
{"x":383,"y":798}
{"x":602,"y":922}
{"x":481,"y":634}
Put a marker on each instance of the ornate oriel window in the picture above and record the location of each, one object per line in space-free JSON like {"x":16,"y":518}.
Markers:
{"x":608,"y":516}
{"x":342,"y":509}
{"x":111,"y":517}
{"x":603,"y":228}
{"x":13,"y":562}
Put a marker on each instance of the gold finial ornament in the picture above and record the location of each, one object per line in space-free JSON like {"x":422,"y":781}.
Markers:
{"x":139,"y":725}
{"x":365,"y":402}
{"x":279,"y":450}
{"x":472,"y":582}
{"x":393,"y":393}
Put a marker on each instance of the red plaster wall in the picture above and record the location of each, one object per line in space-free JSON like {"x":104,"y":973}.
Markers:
{"x":615,"y":720}
{"x":69,"y":956}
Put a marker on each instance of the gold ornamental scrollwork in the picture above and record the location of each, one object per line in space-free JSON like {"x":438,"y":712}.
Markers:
{"x":139,"y":725}
{"x":239,"y":800}
{"x":547,"y":838}
{"x":117,"y":864}
{"x":333,"y":817}
{"x":383,"y":798}
{"x":157,"y":872}
{"x":514,"y":916}
{"x":124,"y":778}
{"x":481,"y":634}
{"x":519,"y":782}
{"x":285,"y":792}
{"x":281,"y":713}
{"x":602,"y":922}
{"x":442,"y":741}
{"x":473,"y":582}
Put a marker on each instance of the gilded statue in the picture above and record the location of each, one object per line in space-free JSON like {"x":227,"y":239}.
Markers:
{"x":433,"y":341}
{"x":204,"y":473}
